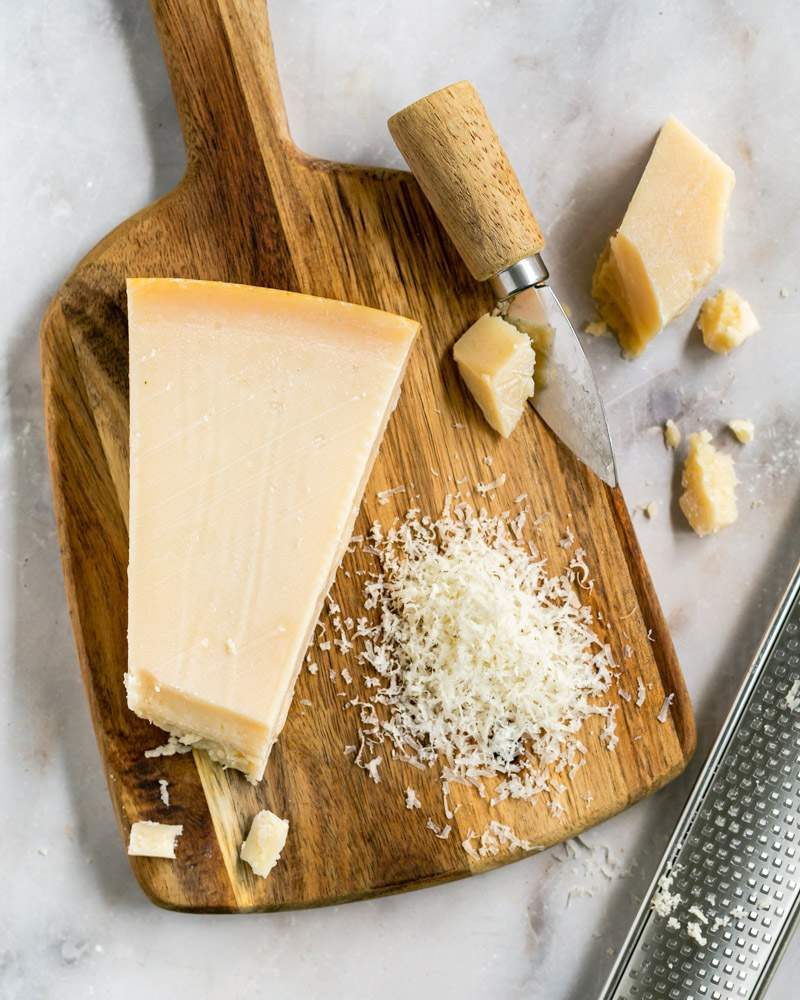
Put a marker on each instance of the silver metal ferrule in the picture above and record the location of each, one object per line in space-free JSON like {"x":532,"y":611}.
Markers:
{"x":524,"y":274}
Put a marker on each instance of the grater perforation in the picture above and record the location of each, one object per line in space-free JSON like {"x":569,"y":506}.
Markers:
{"x":733,"y":857}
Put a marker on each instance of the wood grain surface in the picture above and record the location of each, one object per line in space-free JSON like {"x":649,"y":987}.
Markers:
{"x":457,"y":158}
{"x":254,"y":209}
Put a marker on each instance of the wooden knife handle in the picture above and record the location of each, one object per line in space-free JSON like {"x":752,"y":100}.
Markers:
{"x":455,"y":154}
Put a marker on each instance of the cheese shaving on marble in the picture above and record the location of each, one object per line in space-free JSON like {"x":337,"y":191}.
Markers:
{"x":486,"y":661}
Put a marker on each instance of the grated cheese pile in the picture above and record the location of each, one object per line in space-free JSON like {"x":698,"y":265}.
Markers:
{"x":484,"y":662}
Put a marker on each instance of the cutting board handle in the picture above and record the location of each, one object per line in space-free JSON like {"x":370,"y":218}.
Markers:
{"x":455,"y":154}
{"x":222,"y":67}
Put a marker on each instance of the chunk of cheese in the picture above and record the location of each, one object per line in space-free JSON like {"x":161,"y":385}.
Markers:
{"x":264,"y":843}
{"x":153,"y":840}
{"x":670,"y":241}
{"x":496,"y":362}
{"x":672,"y":434}
{"x":743,"y":430}
{"x":726,"y":320}
{"x":709,"y":486}
{"x":255,"y":418}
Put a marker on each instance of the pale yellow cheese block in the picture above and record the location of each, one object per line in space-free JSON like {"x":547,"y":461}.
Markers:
{"x":255,"y":418}
{"x":670,"y":241}
{"x":153,"y":840}
{"x":496,"y":361}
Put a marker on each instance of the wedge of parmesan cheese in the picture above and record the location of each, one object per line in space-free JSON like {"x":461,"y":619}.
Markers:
{"x":669,"y":243}
{"x":153,"y":840}
{"x":726,"y":321}
{"x":264,"y":843}
{"x":709,"y":486}
{"x":256,"y":415}
{"x":496,"y":362}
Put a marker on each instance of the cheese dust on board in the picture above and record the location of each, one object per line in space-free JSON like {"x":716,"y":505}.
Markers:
{"x":474,"y":659}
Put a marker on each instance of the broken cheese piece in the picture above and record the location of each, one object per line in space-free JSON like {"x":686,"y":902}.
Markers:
{"x":709,"y":486}
{"x":264,"y":843}
{"x":496,"y":361}
{"x":153,"y":840}
{"x":726,"y":320}
{"x":255,"y":418}
{"x":672,"y":434}
{"x":670,"y":241}
{"x":743,"y":430}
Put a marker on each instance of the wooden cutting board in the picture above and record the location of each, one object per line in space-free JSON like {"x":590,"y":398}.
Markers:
{"x":252,"y":208}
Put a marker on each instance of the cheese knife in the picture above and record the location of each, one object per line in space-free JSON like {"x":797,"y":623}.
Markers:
{"x":455,"y":155}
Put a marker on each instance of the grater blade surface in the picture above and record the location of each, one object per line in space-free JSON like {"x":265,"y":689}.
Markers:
{"x":735,"y":852}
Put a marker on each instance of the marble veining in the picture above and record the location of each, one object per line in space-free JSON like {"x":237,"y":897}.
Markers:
{"x":578,"y":91}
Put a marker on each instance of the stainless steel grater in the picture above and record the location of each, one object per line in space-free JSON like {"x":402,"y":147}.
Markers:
{"x":735,"y":851}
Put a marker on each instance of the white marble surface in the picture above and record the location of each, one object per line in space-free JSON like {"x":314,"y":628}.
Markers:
{"x":89,"y":135}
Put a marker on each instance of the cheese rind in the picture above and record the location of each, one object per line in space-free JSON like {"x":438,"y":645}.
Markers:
{"x":670,"y":241}
{"x":726,"y":320}
{"x":496,"y":361}
{"x":265,"y":841}
{"x":255,"y":418}
{"x":153,"y":840}
{"x":708,"y":500}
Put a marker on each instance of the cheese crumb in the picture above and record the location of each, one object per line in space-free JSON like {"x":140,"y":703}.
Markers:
{"x":484,"y":488}
{"x":264,"y":843}
{"x":385,"y":495}
{"x":650,"y":510}
{"x":163,"y":790}
{"x":173,"y":745}
{"x":726,"y":321}
{"x":665,"y":900}
{"x":230,"y":647}
{"x":371,"y":768}
{"x":743,"y":430}
{"x":442,"y":832}
{"x":663,"y":712}
{"x":153,"y":840}
{"x":597,"y":328}
{"x":709,"y":487}
{"x":697,"y":912}
{"x":412,"y":800}
{"x":672,"y":434}
{"x":695,"y":932}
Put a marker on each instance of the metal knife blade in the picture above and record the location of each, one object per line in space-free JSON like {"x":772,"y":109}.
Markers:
{"x":567,"y":398}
